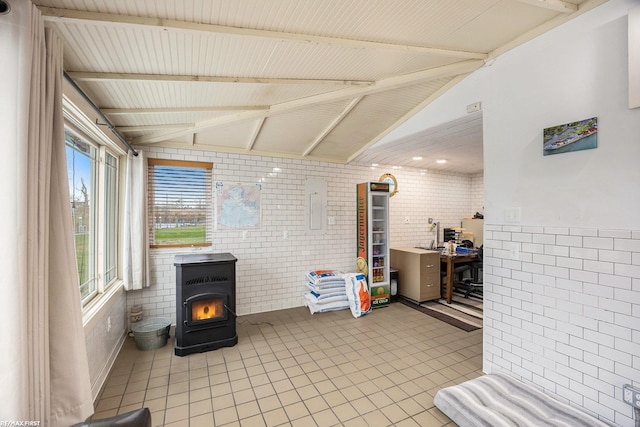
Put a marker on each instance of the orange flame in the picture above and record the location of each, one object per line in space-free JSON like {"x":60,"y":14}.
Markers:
{"x":206,"y":309}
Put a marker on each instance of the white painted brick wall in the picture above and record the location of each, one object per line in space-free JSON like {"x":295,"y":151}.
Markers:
{"x":566,"y":315}
{"x":271,"y":269}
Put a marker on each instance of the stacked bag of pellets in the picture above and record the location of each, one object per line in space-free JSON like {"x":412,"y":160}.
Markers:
{"x":327,"y":291}
{"x":358,"y":294}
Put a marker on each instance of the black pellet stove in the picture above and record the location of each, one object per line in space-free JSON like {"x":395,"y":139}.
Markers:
{"x":205,"y":302}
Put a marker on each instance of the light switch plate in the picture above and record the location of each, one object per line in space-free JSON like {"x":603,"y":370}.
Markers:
{"x":512,"y":215}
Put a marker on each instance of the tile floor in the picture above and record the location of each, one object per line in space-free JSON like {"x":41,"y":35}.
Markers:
{"x":292,"y":368}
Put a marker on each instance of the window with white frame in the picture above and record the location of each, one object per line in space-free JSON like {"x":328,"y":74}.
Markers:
{"x":180,"y":198}
{"x":110,"y":217}
{"x":93,"y":190}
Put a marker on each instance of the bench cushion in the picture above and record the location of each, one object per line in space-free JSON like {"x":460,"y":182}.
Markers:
{"x":496,"y":400}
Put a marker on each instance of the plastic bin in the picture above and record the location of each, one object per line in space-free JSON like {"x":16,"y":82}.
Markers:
{"x":462,"y":250}
{"x":150,"y":334}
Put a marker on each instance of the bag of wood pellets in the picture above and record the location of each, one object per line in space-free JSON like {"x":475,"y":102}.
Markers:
{"x":358,"y":294}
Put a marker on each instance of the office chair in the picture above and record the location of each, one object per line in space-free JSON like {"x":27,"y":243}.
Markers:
{"x":466,"y":244}
{"x":136,"y":418}
{"x":474,"y":284}
{"x":460,"y":284}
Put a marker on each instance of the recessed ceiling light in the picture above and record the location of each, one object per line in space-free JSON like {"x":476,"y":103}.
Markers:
{"x":374,"y":164}
{"x":277,"y":170}
{"x":441,"y":161}
{"x":417,"y":157}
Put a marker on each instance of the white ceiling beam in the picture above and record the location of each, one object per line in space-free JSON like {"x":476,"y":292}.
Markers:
{"x":130,"y":111}
{"x":188,"y":127}
{"x":555,"y":5}
{"x":408,"y":115}
{"x":450,"y":70}
{"x":243,"y":150}
{"x":93,"y":77}
{"x":256,"y":132}
{"x":541,"y":29}
{"x":70,"y":15}
{"x":331,"y":126}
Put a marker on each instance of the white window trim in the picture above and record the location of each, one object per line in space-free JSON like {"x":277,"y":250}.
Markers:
{"x":78,"y":122}
{"x":99,"y":304}
{"x":101,"y":202}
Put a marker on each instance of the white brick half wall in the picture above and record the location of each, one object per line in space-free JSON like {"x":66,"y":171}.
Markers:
{"x":271,"y":268}
{"x":562,"y":311}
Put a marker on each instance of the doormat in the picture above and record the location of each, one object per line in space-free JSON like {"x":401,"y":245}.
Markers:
{"x":446,"y":314}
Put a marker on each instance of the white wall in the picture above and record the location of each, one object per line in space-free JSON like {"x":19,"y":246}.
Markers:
{"x":271,"y":269}
{"x":575,"y":72}
{"x":562,"y":285}
{"x":477,"y":193}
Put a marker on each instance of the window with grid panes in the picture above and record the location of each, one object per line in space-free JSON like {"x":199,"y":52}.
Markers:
{"x":93,"y":191}
{"x":180,"y":203}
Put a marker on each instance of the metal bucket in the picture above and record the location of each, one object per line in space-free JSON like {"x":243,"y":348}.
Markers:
{"x":150,"y":334}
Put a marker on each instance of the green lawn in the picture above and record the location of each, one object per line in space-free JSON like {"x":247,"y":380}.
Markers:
{"x":163,"y":236}
{"x":82,"y":259}
{"x":180,"y":235}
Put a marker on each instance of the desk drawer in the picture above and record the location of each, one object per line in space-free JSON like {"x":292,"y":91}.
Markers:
{"x":418,"y":273}
{"x":430,"y":290}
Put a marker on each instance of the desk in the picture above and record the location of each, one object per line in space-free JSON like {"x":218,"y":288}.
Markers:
{"x":450,"y":260}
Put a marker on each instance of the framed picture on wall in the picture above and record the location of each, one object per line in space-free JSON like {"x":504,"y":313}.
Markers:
{"x":574,"y":136}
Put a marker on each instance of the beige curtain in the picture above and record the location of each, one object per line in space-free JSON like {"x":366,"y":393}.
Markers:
{"x":136,"y":243}
{"x":47,"y":378}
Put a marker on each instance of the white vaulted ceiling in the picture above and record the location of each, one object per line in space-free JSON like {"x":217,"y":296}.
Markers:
{"x":321,"y":80}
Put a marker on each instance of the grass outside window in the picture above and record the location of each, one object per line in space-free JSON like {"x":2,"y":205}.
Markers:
{"x":180,"y":207}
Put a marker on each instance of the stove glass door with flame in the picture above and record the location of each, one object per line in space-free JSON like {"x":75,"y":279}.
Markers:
{"x":206,"y":309}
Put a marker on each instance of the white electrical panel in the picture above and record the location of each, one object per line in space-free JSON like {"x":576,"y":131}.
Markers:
{"x":315,"y":206}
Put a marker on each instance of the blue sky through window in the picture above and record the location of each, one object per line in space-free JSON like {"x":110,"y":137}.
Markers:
{"x":81,"y":191}
{"x":78,"y":167}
